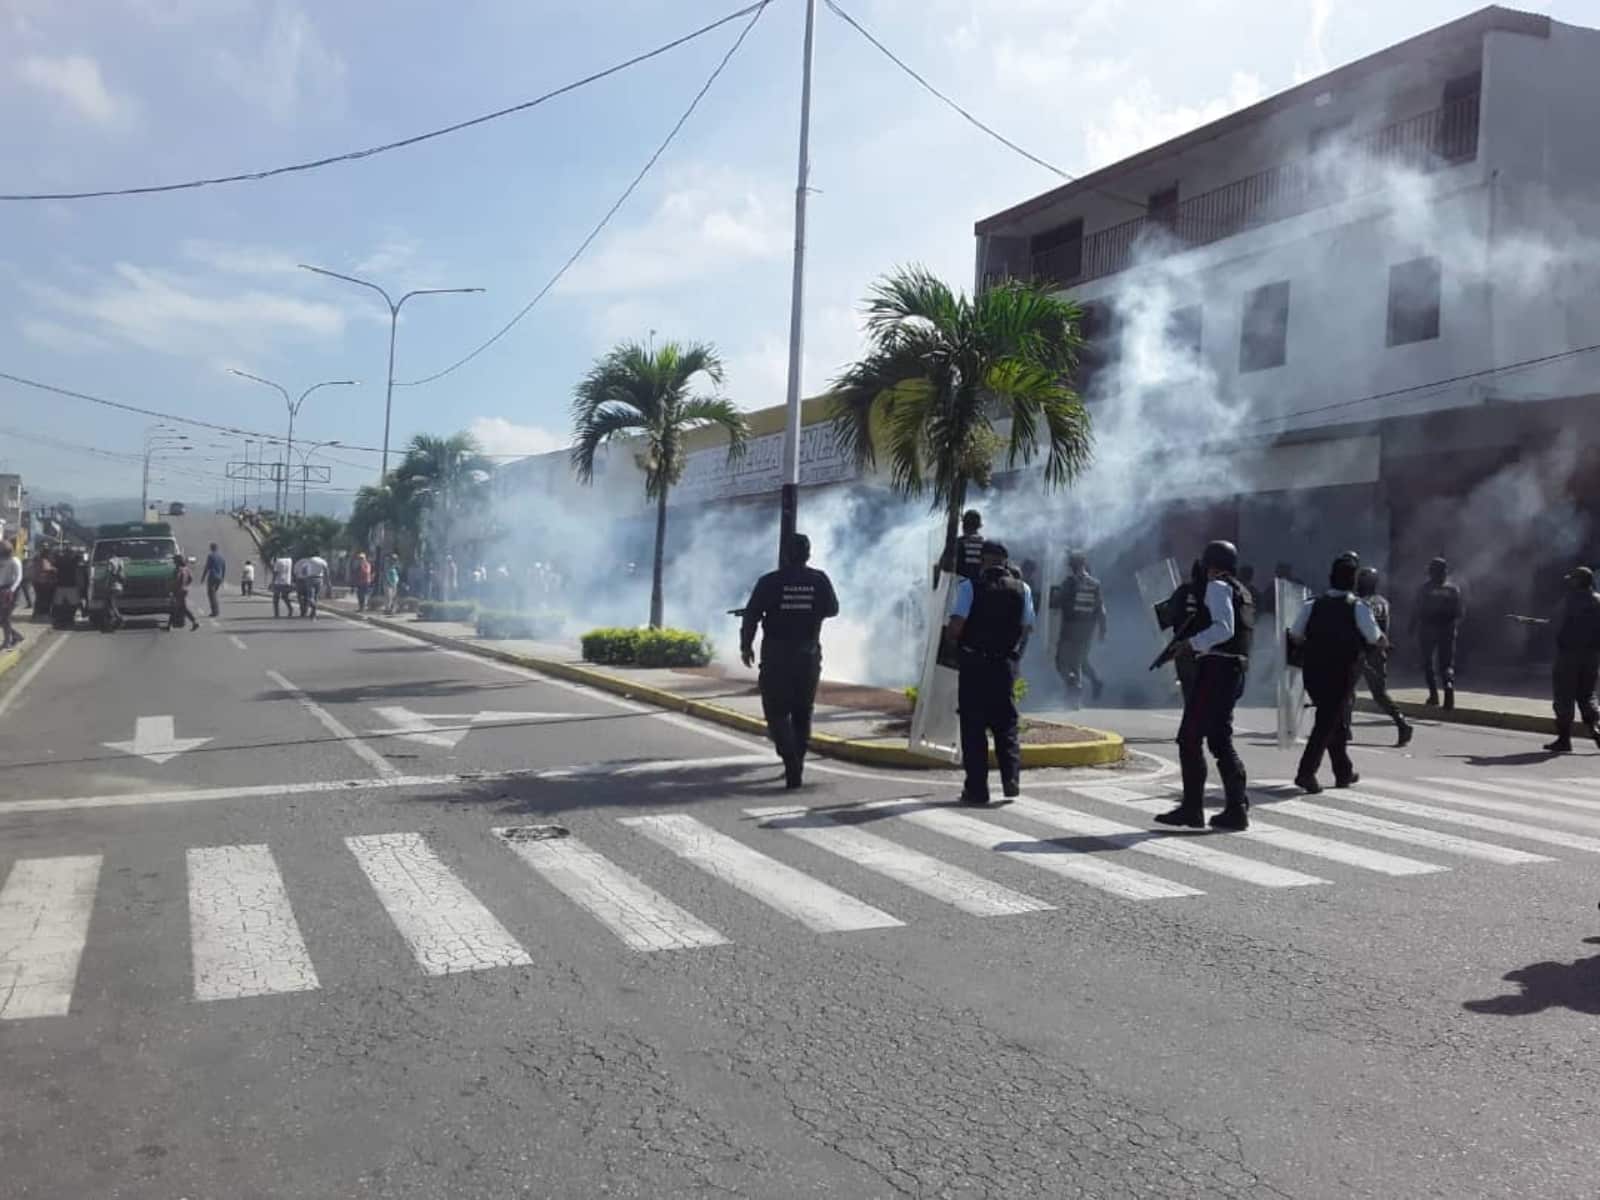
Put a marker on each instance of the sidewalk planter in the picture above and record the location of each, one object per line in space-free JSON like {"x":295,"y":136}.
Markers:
{"x":646,"y":648}
{"x":498,"y":624}
{"x":446,"y":610}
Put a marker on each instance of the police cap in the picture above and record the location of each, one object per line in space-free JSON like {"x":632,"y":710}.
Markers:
{"x":1220,"y":556}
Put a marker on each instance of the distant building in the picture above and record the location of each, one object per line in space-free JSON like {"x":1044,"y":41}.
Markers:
{"x":11,"y":523}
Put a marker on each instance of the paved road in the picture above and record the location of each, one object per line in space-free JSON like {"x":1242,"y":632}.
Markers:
{"x":300,"y":958}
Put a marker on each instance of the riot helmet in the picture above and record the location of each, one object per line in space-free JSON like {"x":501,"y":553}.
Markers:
{"x":1077,"y":559}
{"x":1437,"y":570}
{"x":1367,"y":581}
{"x":1220,"y":556}
{"x":1342,"y":575}
{"x":1581,"y":579}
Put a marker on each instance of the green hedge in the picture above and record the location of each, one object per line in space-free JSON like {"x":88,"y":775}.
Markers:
{"x":495,"y":624}
{"x":446,"y":610}
{"x":646,"y":648}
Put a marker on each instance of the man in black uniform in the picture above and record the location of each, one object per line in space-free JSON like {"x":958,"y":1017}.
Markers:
{"x":969,"y":546}
{"x":1375,"y":665}
{"x":790,"y":605}
{"x":990,"y":619}
{"x":1334,"y":632}
{"x":1577,"y":659}
{"x":1434,"y":621}
{"x":1222,"y":650}
{"x":1083,"y":610}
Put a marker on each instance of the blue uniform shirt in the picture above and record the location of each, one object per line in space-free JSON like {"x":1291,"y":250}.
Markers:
{"x":962,"y":606}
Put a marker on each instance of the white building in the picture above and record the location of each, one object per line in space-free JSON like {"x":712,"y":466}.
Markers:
{"x":1386,"y":281}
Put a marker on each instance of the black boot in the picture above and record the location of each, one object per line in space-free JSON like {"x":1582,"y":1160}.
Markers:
{"x":1594,"y":731}
{"x":793,"y":771}
{"x":1234,"y":818}
{"x":1185,"y":816}
{"x":1449,"y":697}
{"x":1562,"y":745}
{"x":1405,"y":731}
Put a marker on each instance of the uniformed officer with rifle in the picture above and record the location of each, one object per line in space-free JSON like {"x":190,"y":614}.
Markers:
{"x":1375,"y":665}
{"x":1434,"y":621}
{"x":1083,"y":611}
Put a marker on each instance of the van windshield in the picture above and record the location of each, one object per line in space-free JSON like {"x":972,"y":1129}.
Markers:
{"x":136,"y":549}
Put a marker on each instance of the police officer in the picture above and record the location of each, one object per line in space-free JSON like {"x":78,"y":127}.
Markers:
{"x":990,"y":620}
{"x":790,"y":605}
{"x":1334,"y":631}
{"x":1083,"y":610}
{"x":1577,"y":659}
{"x":1375,"y":663}
{"x":969,"y":546}
{"x":1434,"y":620}
{"x":1181,"y":614}
{"x":1222,"y":650}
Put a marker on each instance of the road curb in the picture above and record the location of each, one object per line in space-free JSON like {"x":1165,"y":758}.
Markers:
{"x":1487,"y":718}
{"x":1103,"y":750}
{"x":10,"y":658}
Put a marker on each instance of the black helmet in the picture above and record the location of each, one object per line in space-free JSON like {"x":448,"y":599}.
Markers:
{"x":1581,"y":579}
{"x":1367,"y":581}
{"x":1349,"y":556}
{"x":1438,"y":568}
{"x":1342,"y":574}
{"x":1220,"y":556}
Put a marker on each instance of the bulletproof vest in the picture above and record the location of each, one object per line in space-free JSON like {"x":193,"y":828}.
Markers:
{"x":994,"y":624}
{"x":1244,"y":621}
{"x":1081,"y":596}
{"x":1333,"y":642}
{"x":1579,"y":631}
{"x":1440,"y":603}
{"x":794,"y":607}
{"x":969,"y":556}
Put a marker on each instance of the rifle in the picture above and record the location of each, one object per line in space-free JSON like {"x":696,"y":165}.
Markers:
{"x":1197,"y":621}
{"x":1522,"y":620}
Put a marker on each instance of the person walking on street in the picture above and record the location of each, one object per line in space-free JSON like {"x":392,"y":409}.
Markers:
{"x":990,"y":620}
{"x":790,"y":605}
{"x":247,"y":579}
{"x":42,"y":570}
{"x":361,"y":578}
{"x":282,"y":584}
{"x":10,"y":593}
{"x":391,"y":580}
{"x":1083,"y":611}
{"x":1222,"y":657}
{"x":311,"y":573}
{"x":1334,"y":633}
{"x":211,"y":575}
{"x":1434,"y":620}
{"x":1577,"y":660}
{"x":182,"y":581}
{"x":1375,"y":663}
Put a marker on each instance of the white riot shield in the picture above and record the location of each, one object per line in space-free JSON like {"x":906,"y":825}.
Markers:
{"x":1289,"y":598}
{"x":935,"y":728}
{"x":1156,"y":584}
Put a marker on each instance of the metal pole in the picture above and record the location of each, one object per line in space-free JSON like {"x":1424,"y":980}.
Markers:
{"x":288,"y":454}
{"x":144,"y":487}
{"x":388,"y":394}
{"x":791,"y":438}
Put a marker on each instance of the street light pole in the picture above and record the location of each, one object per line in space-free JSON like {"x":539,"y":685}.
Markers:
{"x":394,"y":319}
{"x":152,"y":441}
{"x":282,"y":502}
{"x":305,"y":464}
{"x":791,"y":436}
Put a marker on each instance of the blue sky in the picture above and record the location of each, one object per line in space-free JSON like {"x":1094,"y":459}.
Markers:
{"x":150,"y":300}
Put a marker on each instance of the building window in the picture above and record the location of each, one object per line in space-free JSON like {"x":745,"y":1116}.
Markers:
{"x":1098,"y":328}
{"x":1414,"y":301}
{"x":1057,"y":253}
{"x":1264,"y":335}
{"x":1183,"y":332}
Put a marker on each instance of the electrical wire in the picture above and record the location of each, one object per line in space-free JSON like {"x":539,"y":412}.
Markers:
{"x":370,"y":151}
{"x":611,"y":212}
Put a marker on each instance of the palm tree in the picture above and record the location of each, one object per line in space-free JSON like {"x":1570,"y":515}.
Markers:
{"x":441,"y":479}
{"x":942,"y":370}
{"x":381,"y":507}
{"x":636,"y":391}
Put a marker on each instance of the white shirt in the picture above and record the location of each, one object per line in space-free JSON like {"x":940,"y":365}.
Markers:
{"x":282,"y":570}
{"x":10,"y":574}
{"x":248,"y":571}
{"x":1365,"y":621}
{"x":1219,"y":603}
{"x":315,"y":567}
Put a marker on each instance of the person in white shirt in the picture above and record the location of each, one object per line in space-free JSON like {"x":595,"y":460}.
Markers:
{"x":310,"y":573}
{"x":282,"y":582}
{"x":10,"y":590}
{"x":247,"y":579}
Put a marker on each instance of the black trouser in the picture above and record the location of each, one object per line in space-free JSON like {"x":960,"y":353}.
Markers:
{"x":987,"y":703}
{"x":211,"y":596}
{"x":280,"y":595}
{"x":1438,"y":645}
{"x":1375,"y":670}
{"x":1072,"y":654}
{"x":1188,"y":667}
{"x":1572,"y":682}
{"x":361,"y":596}
{"x":1208,"y":724}
{"x":1330,"y":733}
{"x":180,"y":611}
{"x":44,"y":595}
{"x":788,"y":682}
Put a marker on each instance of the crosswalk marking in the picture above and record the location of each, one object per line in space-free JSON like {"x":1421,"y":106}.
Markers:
{"x":1160,"y":844}
{"x":445,"y":925}
{"x":1057,"y":857}
{"x":1414,"y":835}
{"x":814,"y":904}
{"x":242,"y":928}
{"x":1567,"y":787}
{"x":44,"y":922}
{"x":638,"y":914}
{"x":968,"y":892}
{"x":1511,"y":807}
{"x":1472,"y":820}
{"x":1539,"y":795}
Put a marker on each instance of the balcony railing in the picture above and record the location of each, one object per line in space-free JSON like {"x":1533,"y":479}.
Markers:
{"x":1429,"y":141}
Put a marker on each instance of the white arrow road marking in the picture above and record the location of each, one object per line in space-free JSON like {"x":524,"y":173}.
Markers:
{"x":445,"y":730}
{"x":154,"y":739}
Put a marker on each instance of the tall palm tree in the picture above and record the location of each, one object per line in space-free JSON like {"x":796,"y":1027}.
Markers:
{"x":942,"y":370}
{"x":637,"y":391}
{"x":382,"y":508}
{"x":442,"y":479}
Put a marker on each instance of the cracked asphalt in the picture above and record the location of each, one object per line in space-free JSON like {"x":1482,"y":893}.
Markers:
{"x":302,"y":974}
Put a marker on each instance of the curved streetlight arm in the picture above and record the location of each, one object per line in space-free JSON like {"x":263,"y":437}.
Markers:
{"x":294,"y":409}
{"x":278,"y":387}
{"x":393,"y":307}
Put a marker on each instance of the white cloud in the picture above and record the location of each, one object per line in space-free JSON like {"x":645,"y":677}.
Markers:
{"x":394,"y":254}
{"x":55,"y":336}
{"x":1138,"y":120}
{"x":292,"y":66}
{"x":1315,"y":54}
{"x":499,"y":436}
{"x":76,"y":79}
{"x":239,"y":258}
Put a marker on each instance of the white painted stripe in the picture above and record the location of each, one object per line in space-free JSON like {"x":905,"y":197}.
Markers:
{"x":638,"y":914}
{"x":1580,"y":780}
{"x":1510,"y":807}
{"x":446,"y":927}
{"x":922,"y":872}
{"x":1070,"y":861}
{"x":44,"y":921}
{"x":1160,"y":843}
{"x":1109,"y":793}
{"x":1414,"y":835}
{"x":241,"y":926}
{"x":333,"y":725}
{"x":779,"y":886}
{"x":1567,"y":787}
{"x":45,"y":655}
{"x":1450,"y":816}
{"x":237,"y":641}
{"x":1539,"y":795}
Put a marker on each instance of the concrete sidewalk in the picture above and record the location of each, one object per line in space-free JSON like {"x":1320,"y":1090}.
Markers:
{"x":848,"y":732}
{"x":1472,"y":708}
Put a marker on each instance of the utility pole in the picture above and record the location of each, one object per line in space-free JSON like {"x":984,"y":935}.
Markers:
{"x":280,"y":499}
{"x":154,"y":440}
{"x":791,"y":436}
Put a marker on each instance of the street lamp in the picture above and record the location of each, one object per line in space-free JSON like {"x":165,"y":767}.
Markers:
{"x":154,"y":440}
{"x":305,"y":461}
{"x":294,"y":411}
{"x":394,"y":317}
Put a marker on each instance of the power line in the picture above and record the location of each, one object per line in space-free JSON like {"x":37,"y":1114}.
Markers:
{"x":370,"y":151}
{"x":628,"y":191}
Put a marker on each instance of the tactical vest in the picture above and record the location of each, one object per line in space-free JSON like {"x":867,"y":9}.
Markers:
{"x":794,"y":612}
{"x":1081,"y":599}
{"x":1440,"y":604}
{"x":1334,"y":645}
{"x":994,"y":624}
{"x":1244,"y":621}
{"x":969,"y":556}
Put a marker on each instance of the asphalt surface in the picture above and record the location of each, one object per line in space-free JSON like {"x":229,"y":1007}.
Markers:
{"x":296,"y":959}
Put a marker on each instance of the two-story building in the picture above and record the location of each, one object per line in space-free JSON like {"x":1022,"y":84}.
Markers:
{"x":1362,"y":313}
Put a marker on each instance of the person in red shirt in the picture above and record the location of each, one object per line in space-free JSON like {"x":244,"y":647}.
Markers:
{"x":182,"y":581}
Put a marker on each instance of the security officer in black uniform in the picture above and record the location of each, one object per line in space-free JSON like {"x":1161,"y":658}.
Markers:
{"x":1180,"y":612}
{"x":969,"y":546}
{"x":1083,"y":610}
{"x":1375,"y":665}
{"x":1434,"y":621}
{"x":1334,"y":632}
{"x":1577,"y":659}
{"x":1222,"y":650}
{"x":990,"y":619}
{"x":790,"y":605}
